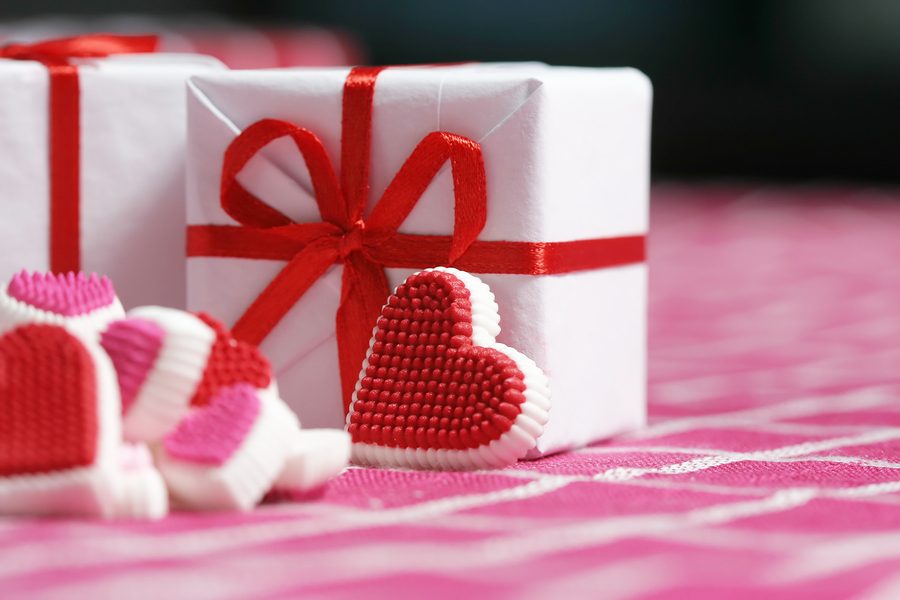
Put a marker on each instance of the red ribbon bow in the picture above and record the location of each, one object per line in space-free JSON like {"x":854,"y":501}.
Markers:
{"x":366,"y":246}
{"x":65,"y":128}
{"x":62,"y":50}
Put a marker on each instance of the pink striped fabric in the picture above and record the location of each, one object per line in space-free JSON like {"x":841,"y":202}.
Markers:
{"x":771,"y":467}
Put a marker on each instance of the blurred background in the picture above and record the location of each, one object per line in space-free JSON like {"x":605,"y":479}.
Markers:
{"x":766,"y":89}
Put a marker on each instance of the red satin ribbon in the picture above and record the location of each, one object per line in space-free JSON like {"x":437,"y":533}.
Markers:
{"x":366,"y":246}
{"x":64,"y":127}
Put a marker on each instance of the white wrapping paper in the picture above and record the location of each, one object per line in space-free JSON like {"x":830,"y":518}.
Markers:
{"x":132,"y":171}
{"x":566,"y":152}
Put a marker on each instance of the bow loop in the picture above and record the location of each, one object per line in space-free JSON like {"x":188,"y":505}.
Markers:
{"x":417,"y":173}
{"x":247,"y":209}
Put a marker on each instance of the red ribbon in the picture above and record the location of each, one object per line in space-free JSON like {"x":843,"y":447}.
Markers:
{"x":366,"y":246}
{"x":65,"y":127}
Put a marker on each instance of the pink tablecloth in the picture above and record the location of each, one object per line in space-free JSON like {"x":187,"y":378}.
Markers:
{"x":772,"y":465}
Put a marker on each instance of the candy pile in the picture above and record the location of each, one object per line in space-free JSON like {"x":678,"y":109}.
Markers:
{"x":114,"y":414}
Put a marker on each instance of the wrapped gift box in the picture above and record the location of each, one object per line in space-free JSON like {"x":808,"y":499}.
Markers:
{"x":235,"y":43}
{"x":566,"y":155}
{"x":130,"y":175}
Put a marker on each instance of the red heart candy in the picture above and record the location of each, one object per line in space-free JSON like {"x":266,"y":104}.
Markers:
{"x":68,"y":294}
{"x":230,"y":362}
{"x":435,"y":381}
{"x":212,"y":434}
{"x":48,"y":401}
{"x":133,"y":346}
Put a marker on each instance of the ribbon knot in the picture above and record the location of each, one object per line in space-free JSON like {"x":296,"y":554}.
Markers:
{"x":352,"y":240}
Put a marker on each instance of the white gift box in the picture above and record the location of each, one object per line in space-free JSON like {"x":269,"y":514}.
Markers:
{"x":132,"y":155}
{"x":566,"y":152}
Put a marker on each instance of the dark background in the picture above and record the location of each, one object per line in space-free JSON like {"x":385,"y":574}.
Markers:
{"x":777,"y":89}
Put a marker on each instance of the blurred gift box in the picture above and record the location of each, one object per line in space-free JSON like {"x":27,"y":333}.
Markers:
{"x":237,"y":45}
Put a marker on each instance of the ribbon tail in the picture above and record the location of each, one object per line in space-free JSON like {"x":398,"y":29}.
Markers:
{"x":285,"y":290}
{"x":364,"y":291}
{"x":65,"y":169}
